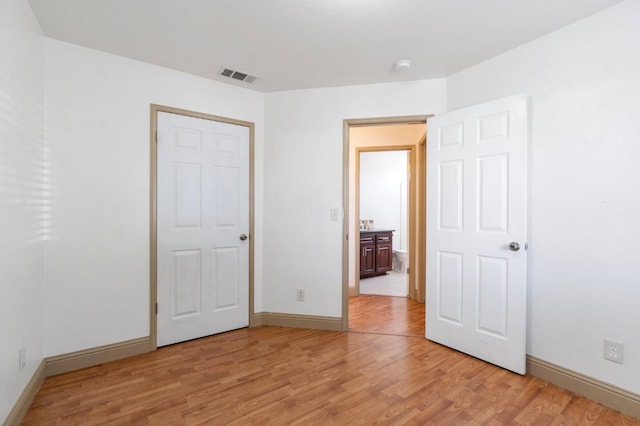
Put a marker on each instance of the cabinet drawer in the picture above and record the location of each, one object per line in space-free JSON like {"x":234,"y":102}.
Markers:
{"x":384,"y":238}
{"x":369,"y":239}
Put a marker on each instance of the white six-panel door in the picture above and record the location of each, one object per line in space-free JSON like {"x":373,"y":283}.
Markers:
{"x":476,"y":209}
{"x":202,"y":221}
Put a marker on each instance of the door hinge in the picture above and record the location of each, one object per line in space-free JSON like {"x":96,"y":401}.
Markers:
{"x":156,"y":136}
{"x":156,"y":308}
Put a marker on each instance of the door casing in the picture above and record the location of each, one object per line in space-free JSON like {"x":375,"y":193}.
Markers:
{"x":417,"y":207}
{"x":153,"y":211}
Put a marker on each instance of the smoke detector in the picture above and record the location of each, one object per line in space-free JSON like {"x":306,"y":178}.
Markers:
{"x":237,"y":75}
{"x":402,"y":65}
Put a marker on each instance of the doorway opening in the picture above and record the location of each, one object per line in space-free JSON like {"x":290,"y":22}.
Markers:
{"x":383,"y":195}
{"x":365,"y":140}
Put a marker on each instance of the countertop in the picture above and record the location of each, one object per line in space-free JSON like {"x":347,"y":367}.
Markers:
{"x":373,"y":231}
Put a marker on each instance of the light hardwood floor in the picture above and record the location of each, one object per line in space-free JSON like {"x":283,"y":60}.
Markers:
{"x":386,"y":315}
{"x":284,"y":376}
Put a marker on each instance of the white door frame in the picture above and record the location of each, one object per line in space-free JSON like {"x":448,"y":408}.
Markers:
{"x":348,"y":216}
{"x":153,"y":212}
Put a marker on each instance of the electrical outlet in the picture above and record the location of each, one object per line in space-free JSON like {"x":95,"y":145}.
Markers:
{"x":613,"y":351}
{"x":22,"y":358}
{"x":300,"y":295}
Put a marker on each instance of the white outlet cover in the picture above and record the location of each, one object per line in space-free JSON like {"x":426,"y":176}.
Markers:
{"x":613,"y":351}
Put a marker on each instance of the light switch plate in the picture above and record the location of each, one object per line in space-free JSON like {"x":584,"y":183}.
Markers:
{"x":335,"y":215}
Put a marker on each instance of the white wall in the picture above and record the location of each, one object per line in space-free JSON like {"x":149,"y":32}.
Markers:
{"x":22,"y":216}
{"x":97,"y":260}
{"x":383,"y":192}
{"x":584,"y":189}
{"x":303,"y":181}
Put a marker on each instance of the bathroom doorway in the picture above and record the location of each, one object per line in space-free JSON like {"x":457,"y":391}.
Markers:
{"x":402,"y":137}
{"x":383,"y":189}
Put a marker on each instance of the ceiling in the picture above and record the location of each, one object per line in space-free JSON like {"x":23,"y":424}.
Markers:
{"x":296,"y":44}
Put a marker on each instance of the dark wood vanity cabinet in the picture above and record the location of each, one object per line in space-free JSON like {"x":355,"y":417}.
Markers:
{"x":376,"y":253}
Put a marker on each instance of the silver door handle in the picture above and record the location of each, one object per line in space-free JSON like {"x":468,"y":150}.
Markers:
{"x":514,"y":246}
{"x":243,"y":237}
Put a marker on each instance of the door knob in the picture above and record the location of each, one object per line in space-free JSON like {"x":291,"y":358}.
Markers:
{"x":514,"y":246}
{"x":243,"y":237}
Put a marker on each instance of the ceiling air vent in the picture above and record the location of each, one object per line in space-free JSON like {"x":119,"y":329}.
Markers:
{"x":237,"y":75}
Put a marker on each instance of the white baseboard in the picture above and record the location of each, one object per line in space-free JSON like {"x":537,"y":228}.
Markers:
{"x":26,"y":397}
{"x":94,"y":356}
{"x":606,"y":394}
{"x":70,"y":362}
{"x":299,"y":321}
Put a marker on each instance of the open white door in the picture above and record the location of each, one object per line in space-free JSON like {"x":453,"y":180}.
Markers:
{"x":476,"y":231}
{"x":202,"y":227}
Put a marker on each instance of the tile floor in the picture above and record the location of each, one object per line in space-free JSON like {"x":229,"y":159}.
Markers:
{"x":394,"y":283}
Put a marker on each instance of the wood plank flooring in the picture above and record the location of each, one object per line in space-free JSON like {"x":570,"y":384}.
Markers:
{"x":386,"y":315}
{"x":284,"y":376}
